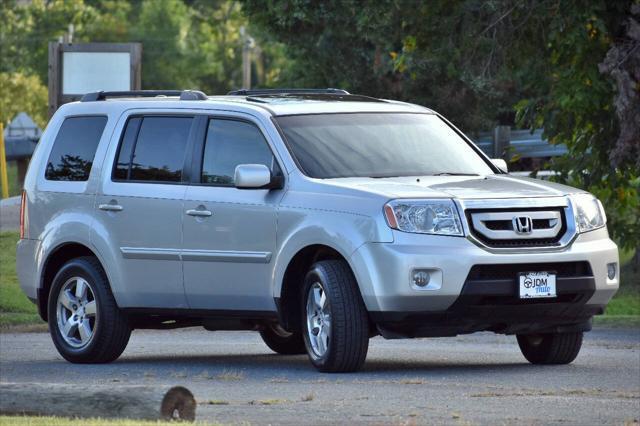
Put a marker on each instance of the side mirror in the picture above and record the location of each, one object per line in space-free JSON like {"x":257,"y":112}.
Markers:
{"x":254,"y":176}
{"x":501,"y":164}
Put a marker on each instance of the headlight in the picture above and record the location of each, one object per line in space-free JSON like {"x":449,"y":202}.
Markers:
{"x":589,"y":213}
{"x":424,"y":216}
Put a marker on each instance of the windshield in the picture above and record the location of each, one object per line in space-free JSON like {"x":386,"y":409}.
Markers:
{"x":378,"y":145}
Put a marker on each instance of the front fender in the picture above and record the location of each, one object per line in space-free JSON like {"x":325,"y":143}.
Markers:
{"x":299,"y":228}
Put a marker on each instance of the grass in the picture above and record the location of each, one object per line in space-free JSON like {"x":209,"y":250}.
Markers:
{"x":269,"y":402}
{"x":12,"y":177}
{"x":62,"y":421}
{"x":17,"y":310}
{"x":627,"y":299}
{"x":626,"y":302}
{"x":230,"y":375}
{"x":215,"y":402}
{"x":617,"y":321}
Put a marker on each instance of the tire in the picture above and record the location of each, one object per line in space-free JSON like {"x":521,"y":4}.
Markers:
{"x":283,"y":342}
{"x":554,"y":348}
{"x":347,"y":342}
{"x":98,"y":332}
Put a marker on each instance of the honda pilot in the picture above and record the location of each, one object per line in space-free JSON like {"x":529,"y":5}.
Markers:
{"x":317,"y":218}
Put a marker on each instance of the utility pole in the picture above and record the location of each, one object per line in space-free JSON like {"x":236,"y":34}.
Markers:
{"x":3,"y":166}
{"x":501,"y":142}
{"x":68,"y":37}
{"x":247,"y":46}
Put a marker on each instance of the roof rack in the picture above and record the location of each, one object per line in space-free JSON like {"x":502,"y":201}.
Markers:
{"x":185,"y":95}
{"x":258,"y":92}
{"x":326,"y":97}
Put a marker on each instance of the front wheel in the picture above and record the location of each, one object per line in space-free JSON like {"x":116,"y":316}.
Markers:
{"x":335,"y":325}
{"x":84,"y":321}
{"x":553,"y":348}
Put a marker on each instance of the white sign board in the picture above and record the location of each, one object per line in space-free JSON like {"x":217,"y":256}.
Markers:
{"x":84,"y":72}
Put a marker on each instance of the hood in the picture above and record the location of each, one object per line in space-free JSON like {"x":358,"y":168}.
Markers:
{"x":461,"y":187}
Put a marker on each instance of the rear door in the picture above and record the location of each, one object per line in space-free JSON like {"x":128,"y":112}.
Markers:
{"x":140,"y":209}
{"x":229,"y":233}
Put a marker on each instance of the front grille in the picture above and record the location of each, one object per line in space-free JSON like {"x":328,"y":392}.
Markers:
{"x":511,"y":271}
{"x":507,"y":225}
{"x":499,"y":231}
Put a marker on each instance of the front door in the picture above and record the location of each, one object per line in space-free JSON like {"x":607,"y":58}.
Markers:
{"x":229,"y":233}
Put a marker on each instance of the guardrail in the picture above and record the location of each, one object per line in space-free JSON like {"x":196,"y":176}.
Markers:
{"x":524,"y":143}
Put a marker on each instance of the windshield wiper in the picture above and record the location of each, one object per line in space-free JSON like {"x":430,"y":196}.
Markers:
{"x":454,"y":174}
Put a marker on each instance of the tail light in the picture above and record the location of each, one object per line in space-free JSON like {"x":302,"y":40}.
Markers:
{"x":23,"y":202}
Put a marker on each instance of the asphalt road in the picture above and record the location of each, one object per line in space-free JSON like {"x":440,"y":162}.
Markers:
{"x":477,"y":379}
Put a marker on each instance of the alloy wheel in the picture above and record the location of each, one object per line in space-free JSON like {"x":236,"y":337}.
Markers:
{"x":76,"y":312}
{"x":318,"y":320}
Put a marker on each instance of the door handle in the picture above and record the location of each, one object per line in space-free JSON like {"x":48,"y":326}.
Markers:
{"x":111,"y":207}
{"x":199,"y":213}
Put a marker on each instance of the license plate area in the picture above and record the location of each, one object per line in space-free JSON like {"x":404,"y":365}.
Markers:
{"x":536,"y":285}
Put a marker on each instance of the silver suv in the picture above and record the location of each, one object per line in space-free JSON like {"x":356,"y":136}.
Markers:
{"x":316,"y":217}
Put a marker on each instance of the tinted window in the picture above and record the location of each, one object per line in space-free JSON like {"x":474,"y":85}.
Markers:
{"x":158,"y":150}
{"x":121,"y":170}
{"x":230,"y":143}
{"x":378,"y":145}
{"x":74,"y":148}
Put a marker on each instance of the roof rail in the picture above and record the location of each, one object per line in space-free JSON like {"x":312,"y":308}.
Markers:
{"x":258,"y":92}
{"x":185,"y":95}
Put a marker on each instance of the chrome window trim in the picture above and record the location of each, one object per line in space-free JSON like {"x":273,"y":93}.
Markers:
{"x":506,"y":203}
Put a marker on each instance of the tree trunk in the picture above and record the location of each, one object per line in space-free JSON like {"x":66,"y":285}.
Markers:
{"x":129,"y":402}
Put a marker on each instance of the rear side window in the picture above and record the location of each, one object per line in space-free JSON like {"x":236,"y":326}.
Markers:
{"x":153,"y":149}
{"x":74,"y":148}
{"x":230,"y":143}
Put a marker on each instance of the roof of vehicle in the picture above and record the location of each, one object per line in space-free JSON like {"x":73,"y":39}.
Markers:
{"x":275,"y":101}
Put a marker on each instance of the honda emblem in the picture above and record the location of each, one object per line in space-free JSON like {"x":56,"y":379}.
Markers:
{"x":522,"y":224}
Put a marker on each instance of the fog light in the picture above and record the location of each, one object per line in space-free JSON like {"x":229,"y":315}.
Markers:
{"x":421,"y":278}
{"x":611,"y":270}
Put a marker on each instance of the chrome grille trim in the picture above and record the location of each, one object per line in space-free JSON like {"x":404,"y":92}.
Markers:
{"x":505,"y":204}
{"x":480,"y":219}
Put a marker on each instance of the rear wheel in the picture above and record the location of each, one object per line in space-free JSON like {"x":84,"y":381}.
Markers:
{"x":84,"y":321}
{"x":334,"y":319}
{"x":553,"y":348}
{"x":282,"y":341}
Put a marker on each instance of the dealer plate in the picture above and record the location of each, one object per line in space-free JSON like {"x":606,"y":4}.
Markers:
{"x":537,"y":284}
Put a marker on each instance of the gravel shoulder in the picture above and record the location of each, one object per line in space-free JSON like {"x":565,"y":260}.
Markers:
{"x":476,"y":379}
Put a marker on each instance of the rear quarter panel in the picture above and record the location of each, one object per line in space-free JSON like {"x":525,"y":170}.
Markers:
{"x":59,"y":212}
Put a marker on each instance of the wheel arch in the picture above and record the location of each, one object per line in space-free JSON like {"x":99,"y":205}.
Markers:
{"x":289,"y":295}
{"x":58,"y":256}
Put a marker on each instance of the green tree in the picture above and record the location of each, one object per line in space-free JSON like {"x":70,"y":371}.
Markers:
{"x":481,"y":63}
{"x":28,"y":28}
{"x":186,"y":43}
{"x":163,"y":29}
{"x":22,"y":92}
{"x":575,"y":103}
{"x":438,"y":53}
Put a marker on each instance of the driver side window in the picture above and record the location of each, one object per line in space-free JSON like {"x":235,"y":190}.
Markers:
{"x":230,"y":143}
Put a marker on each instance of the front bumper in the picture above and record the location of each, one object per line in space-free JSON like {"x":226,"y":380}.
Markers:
{"x":383,"y":271}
